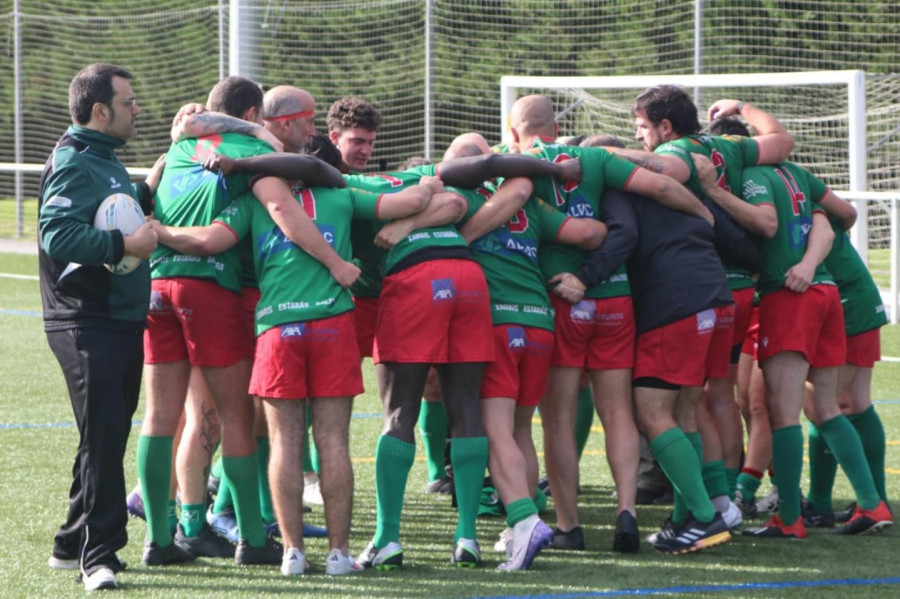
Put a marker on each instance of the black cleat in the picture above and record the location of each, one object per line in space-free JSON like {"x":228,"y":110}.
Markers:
{"x":270,"y":553}
{"x":154,"y":555}
{"x":572,"y":540}
{"x":205,"y":544}
{"x":694,"y":536}
{"x":627,"y":539}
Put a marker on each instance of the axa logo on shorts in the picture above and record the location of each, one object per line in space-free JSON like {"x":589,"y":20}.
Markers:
{"x":515,"y":337}
{"x":706,"y":321}
{"x":583,"y":311}
{"x":157,"y":304}
{"x":293,"y":329}
{"x":442,"y":289}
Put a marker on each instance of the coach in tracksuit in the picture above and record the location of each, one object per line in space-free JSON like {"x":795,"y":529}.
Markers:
{"x":94,"y":319}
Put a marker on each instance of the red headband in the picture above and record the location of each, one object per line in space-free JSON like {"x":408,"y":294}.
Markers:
{"x":290,"y":117}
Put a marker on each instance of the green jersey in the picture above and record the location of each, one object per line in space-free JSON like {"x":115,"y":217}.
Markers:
{"x":863,"y":306}
{"x":294,"y":286}
{"x":508,"y":255}
{"x":420,"y":239}
{"x":793,"y":192}
{"x":189,"y":195}
{"x":730,"y":154}
{"x":600,"y":169}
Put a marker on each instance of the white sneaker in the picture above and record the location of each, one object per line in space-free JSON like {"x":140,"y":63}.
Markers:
{"x":338,"y":564}
{"x":312,"y":494}
{"x":294,"y":562}
{"x":733,"y":516}
{"x":528,"y":538}
{"x":104,"y":578}
{"x":58,"y":563}
{"x":769,"y":503}
{"x":505,"y":536}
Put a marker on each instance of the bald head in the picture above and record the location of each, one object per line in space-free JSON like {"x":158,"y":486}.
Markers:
{"x":290,"y":114}
{"x":531,"y":117}
{"x":467,"y":144}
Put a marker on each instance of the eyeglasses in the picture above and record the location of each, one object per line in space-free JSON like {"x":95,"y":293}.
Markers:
{"x":129,"y":103}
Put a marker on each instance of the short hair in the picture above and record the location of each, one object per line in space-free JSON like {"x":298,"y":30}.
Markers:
{"x":728,"y":126}
{"x":413,"y":162}
{"x":93,"y":84}
{"x":234,"y":96}
{"x":668,"y":102}
{"x":321,"y":147}
{"x":600,"y":140}
{"x":349,"y":113}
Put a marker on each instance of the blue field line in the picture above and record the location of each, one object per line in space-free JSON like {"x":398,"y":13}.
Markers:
{"x":29,"y":425}
{"x":22,"y":313}
{"x":712,"y":588}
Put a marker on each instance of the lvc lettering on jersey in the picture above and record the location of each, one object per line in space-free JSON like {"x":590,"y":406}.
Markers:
{"x":583,"y":311}
{"x":706,"y":321}
{"x":189,"y":180}
{"x":327,"y":232}
{"x":515,"y":337}
{"x":442,"y":289}
{"x":294,"y":329}
{"x":580,"y":207}
{"x":800,"y":231}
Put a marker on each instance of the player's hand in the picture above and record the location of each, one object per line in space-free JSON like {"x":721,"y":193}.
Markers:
{"x":723,"y":108}
{"x":391,"y":234}
{"x":706,"y":172}
{"x":435,"y":184}
{"x":569,"y":287}
{"x":214,"y":162}
{"x":182,"y":114}
{"x":799,"y":277}
{"x":155,"y":173}
{"x":569,"y":170}
{"x":345,"y":273}
{"x":142,"y":242}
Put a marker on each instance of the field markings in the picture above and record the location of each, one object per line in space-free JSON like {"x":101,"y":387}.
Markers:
{"x":9,"y":275}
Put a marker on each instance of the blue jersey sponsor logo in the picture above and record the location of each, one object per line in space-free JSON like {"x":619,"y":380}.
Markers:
{"x":505,"y":243}
{"x":515,"y":337}
{"x":271,"y":242}
{"x":580,"y":207}
{"x":799,"y":231}
{"x":293,"y":329}
{"x":187,"y":180}
{"x":583,"y":311}
{"x":327,"y":232}
{"x":442,"y":289}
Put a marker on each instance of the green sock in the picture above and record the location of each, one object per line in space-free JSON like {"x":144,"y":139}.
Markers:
{"x":433,"y":427}
{"x":748,"y":485}
{"x":243,"y":475}
{"x":844,"y":442}
{"x":154,"y":464}
{"x":679,"y":506}
{"x":584,"y":418}
{"x":393,"y":459}
{"x":469,"y":457}
{"x":678,"y":459}
{"x":871,"y":433}
{"x":520,"y":509}
{"x":265,"y":494}
{"x":787,"y":457}
{"x":540,"y":500}
{"x":822,"y":470}
{"x":731,"y":475}
{"x":193,"y":517}
{"x":714,"y":478}
{"x":172,"y":516}
{"x":223,"y":497}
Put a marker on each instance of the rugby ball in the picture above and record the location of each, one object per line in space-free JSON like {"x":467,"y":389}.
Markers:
{"x":120,"y":211}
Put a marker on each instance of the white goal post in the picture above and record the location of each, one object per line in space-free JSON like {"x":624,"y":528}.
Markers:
{"x":826,"y":111}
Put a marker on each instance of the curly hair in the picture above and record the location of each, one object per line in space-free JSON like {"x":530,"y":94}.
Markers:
{"x":348,"y":113}
{"x":669,"y":102}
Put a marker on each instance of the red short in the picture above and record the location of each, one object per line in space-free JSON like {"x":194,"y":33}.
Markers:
{"x":811,"y":323}
{"x":521,"y":364}
{"x":436,"y":312}
{"x":597,"y":334}
{"x":743,"y":311}
{"x":196,"y":320}
{"x":316,"y":358}
{"x":751,"y":339}
{"x":365,"y":316}
{"x":677,"y":352}
{"x":718,"y":358}
{"x":864,"y":349}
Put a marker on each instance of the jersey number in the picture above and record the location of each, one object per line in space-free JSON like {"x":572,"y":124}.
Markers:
{"x":519,"y":222}
{"x":567,"y":187}
{"x":719,"y":162}
{"x":205,"y":146}
{"x":797,"y":196}
{"x":394,"y":181}
{"x":308,"y":202}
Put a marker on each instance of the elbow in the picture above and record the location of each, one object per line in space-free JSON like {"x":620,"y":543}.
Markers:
{"x":768,"y":228}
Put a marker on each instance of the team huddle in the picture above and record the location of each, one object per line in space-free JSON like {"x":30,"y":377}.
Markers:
{"x":673,"y":290}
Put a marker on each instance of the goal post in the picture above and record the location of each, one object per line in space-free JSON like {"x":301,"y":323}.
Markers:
{"x":824,"y":110}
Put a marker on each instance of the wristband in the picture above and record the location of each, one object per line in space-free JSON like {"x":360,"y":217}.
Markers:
{"x":740,"y":106}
